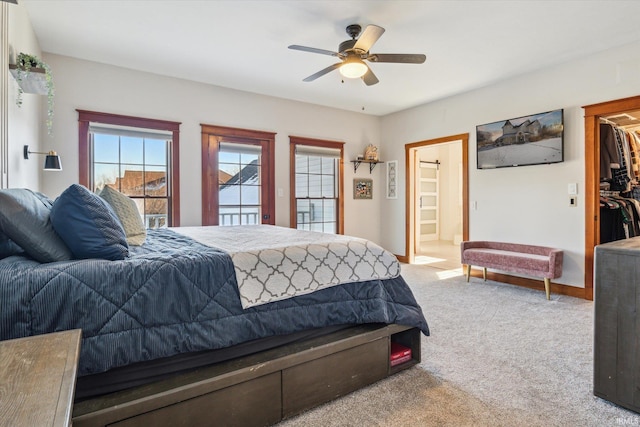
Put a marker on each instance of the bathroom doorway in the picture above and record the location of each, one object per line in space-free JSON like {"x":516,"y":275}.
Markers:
{"x":437,"y":201}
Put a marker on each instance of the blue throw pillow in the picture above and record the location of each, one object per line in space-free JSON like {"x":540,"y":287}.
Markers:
{"x":88,"y":225}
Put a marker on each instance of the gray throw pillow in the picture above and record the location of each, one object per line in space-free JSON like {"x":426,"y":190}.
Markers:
{"x":8,"y":247}
{"x":127,"y":211}
{"x":24,"y":218}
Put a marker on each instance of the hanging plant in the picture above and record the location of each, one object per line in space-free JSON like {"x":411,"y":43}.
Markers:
{"x":24,"y":64}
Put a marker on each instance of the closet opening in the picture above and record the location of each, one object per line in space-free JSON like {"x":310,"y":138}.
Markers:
{"x":612,"y":176}
{"x":619,"y":176}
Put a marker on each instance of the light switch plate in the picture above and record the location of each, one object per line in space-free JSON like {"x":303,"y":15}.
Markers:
{"x":572,"y":189}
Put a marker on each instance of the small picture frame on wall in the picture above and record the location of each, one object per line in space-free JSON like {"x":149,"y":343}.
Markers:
{"x":362,"y":188}
{"x":392,"y":179}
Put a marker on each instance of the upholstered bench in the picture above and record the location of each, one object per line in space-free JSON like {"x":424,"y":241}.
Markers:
{"x":537,"y":261}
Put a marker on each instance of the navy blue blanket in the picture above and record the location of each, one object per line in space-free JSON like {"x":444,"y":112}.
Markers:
{"x":174,"y":295}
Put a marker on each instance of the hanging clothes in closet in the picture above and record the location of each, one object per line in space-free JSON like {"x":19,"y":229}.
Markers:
{"x":619,"y":217}
{"x":619,"y":183}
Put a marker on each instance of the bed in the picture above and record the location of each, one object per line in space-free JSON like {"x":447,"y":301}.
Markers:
{"x":200,"y":316}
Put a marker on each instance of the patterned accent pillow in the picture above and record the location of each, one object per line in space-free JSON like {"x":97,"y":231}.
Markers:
{"x":128,"y":214}
{"x":88,"y":225}
{"x":25,"y":219}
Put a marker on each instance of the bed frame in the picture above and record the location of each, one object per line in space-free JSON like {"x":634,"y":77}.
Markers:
{"x":261,"y":389}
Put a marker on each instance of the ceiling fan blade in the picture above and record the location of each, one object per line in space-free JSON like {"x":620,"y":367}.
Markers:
{"x":313,"y":50}
{"x":403,"y":58}
{"x":369,"y":78}
{"x":322,"y":72}
{"x":369,"y":36}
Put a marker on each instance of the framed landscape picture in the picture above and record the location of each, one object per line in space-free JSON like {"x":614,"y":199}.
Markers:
{"x":529,"y":140}
{"x":362,"y":188}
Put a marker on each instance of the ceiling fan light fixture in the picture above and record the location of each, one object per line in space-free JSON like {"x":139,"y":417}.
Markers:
{"x":353,"y":54}
{"x":353,"y":68}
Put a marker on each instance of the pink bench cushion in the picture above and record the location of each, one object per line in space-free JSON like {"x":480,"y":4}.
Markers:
{"x":538,"y":261}
{"x":507,"y":259}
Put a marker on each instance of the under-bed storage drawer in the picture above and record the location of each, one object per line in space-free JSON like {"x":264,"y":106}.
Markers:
{"x":318,"y":381}
{"x":259,"y":389}
{"x":251,"y":403}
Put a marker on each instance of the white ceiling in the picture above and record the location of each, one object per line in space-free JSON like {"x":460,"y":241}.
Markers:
{"x":242,"y":44}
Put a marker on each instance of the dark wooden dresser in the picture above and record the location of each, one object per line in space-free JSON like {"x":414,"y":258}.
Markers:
{"x":38,"y":378}
{"x":616,"y":367}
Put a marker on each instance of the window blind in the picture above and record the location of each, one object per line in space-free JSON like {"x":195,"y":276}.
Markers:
{"x":313,"y":150}
{"x":230,"y":147}
{"x":135,"y":133}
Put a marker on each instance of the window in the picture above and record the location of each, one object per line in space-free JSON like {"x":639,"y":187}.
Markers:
{"x":136,"y":164}
{"x":135,"y":156}
{"x":317,"y":197}
{"x":239,"y":184}
{"x":237,"y":176}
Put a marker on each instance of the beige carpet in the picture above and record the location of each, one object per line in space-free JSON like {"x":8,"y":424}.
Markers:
{"x":498,"y":355}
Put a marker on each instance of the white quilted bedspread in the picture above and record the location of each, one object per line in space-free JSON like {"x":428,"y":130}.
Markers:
{"x":274,"y":263}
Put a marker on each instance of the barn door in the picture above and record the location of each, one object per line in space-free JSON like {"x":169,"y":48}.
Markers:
{"x":428,"y":203}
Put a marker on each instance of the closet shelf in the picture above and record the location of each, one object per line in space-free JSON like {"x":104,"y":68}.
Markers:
{"x":372,"y":164}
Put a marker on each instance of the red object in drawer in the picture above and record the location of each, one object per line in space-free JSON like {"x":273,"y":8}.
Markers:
{"x":399,"y":354}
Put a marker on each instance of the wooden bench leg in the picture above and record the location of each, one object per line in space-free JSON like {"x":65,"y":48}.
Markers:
{"x":547,"y":286}
{"x":484,"y":273}
{"x":468,"y":271}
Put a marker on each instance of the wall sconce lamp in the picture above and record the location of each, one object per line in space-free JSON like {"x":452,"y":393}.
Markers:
{"x":51,"y":162}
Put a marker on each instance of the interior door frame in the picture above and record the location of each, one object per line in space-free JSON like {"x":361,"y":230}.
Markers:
{"x":410,"y":200}
{"x":592,"y":114}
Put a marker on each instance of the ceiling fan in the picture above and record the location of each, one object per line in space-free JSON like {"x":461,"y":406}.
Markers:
{"x":354,"y":52}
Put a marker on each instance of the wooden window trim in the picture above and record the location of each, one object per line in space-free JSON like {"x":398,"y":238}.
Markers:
{"x":211,"y":137}
{"x":298,"y":140}
{"x":85,"y":117}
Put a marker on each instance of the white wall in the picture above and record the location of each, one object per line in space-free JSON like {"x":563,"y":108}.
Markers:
{"x":450,"y":190}
{"x":450,"y":214}
{"x":522,"y":204}
{"x":97,"y":87}
{"x":26,"y":126}
{"x":451,"y":187}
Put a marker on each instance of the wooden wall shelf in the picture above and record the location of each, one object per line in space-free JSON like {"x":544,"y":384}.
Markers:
{"x":372,"y":164}
{"x":35,"y":81}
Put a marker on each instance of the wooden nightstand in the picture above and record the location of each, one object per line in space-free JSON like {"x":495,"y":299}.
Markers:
{"x":37,"y":379}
